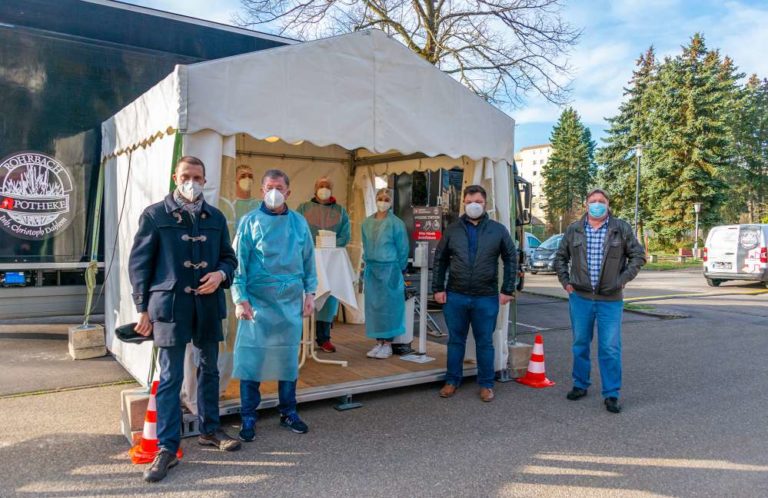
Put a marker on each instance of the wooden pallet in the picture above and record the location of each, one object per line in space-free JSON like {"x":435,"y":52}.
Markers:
{"x":351,"y":345}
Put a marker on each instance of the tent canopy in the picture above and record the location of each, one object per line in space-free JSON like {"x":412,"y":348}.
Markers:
{"x":360,"y":90}
{"x":342,"y":107}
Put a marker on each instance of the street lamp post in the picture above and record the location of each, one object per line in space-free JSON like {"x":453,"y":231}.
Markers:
{"x":638,"y":155}
{"x":696,"y":209}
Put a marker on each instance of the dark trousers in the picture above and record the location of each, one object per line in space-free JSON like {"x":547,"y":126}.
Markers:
{"x":250,"y":398}
{"x":169,"y":389}
{"x":323,"y":332}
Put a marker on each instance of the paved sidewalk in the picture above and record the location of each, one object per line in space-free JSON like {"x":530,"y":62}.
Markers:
{"x":694,"y":399}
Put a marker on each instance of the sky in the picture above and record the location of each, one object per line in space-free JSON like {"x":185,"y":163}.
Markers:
{"x":614,"y":34}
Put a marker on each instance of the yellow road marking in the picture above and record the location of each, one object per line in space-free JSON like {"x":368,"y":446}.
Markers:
{"x":696,"y":294}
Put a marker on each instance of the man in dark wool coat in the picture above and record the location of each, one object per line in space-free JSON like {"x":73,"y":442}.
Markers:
{"x":180,"y":263}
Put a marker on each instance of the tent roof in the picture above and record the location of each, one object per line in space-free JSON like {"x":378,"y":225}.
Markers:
{"x":360,"y":90}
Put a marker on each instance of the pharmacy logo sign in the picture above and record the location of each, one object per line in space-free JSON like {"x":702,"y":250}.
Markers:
{"x":35,"y":196}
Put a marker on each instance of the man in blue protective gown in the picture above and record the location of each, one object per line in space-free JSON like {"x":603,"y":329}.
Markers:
{"x":273,"y":287}
{"x":322,"y":212}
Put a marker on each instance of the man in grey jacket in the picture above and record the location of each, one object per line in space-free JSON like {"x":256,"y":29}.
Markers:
{"x":597,"y":257}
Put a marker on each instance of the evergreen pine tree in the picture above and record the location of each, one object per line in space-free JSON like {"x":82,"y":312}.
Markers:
{"x":751,"y":149}
{"x":626,"y":130}
{"x":570,"y":170}
{"x":689,"y":143}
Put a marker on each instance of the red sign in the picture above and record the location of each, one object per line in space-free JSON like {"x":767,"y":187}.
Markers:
{"x":427,"y":223}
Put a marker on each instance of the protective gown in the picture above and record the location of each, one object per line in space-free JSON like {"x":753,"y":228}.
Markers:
{"x":334,"y":218}
{"x":385,"y":252}
{"x":276,"y":267}
{"x":239,"y":209}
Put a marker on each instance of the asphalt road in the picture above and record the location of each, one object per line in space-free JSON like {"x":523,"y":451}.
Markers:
{"x":654,"y":285}
{"x":693,"y":425}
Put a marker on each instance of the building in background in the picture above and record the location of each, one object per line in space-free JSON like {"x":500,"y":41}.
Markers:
{"x":66,"y":66}
{"x":530,"y":162}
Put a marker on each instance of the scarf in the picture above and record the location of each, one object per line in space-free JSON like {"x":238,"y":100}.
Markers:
{"x":193,"y":208}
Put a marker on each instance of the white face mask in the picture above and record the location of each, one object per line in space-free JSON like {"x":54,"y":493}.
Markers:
{"x":190,"y":190}
{"x":474,"y":210}
{"x":274,"y":199}
{"x":245,"y":184}
{"x":383,"y":205}
{"x":323,"y":193}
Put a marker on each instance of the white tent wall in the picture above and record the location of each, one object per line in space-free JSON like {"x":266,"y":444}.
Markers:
{"x":133,"y":181}
{"x":211,"y":148}
{"x":155,"y":114}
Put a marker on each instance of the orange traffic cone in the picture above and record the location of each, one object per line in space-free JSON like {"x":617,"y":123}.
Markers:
{"x":147,"y":449}
{"x":536,"y":375}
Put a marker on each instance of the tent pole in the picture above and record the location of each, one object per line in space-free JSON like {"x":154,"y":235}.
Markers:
{"x":92,"y":270}
{"x":289,"y":156}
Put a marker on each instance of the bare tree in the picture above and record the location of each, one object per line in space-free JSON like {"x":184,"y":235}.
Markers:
{"x":500,"y":49}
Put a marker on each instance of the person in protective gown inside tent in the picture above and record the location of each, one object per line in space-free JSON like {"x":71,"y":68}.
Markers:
{"x":322,"y":212}
{"x":385,"y":253}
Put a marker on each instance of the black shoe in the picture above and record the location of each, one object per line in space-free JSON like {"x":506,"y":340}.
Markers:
{"x":158,"y":469}
{"x":248,"y":429}
{"x":576,"y":393}
{"x":219,"y":439}
{"x":612,"y":405}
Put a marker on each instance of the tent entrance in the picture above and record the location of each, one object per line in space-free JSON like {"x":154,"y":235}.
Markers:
{"x":319,"y":381}
{"x":355,"y":176}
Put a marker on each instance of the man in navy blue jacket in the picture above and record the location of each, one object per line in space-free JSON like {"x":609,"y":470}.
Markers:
{"x":180,"y":263}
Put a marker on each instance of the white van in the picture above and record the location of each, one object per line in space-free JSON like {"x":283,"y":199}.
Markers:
{"x":736,"y":252}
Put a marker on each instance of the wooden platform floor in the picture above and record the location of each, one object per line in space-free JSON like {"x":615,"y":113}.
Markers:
{"x":351,"y":345}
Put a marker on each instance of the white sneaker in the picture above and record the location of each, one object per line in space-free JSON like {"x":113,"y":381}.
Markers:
{"x":385,"y":351}
{"x":375,"y":351}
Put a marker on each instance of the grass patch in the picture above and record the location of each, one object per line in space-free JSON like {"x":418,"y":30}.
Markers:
{"x":670,"y":263}
{"x":639,"y":307}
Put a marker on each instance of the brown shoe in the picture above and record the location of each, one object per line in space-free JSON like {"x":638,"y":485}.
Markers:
{"x":219,"y":439}
{"x":486,"y":394}
{"x":447,"y":391}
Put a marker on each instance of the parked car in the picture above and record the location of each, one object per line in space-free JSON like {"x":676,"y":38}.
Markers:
{"x":543,"y":257}
{"x":736,"y":252}
{"x":530,"y":243}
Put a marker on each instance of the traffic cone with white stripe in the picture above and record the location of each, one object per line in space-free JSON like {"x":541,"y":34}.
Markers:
{"x":536,"y":375}
{"x":147,"y":449}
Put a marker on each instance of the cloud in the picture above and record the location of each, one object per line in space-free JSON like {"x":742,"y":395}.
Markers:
{"x":617,"y":32}
{"x":740,"y":34}
{"x":220,"y":11}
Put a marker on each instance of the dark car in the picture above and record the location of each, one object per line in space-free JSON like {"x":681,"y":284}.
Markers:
{"x":543,"y":257}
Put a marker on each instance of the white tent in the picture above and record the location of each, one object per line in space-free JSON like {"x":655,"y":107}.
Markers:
{"x":351,"y":106}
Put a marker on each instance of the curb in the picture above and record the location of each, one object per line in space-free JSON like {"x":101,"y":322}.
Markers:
{"x":668,"y":315}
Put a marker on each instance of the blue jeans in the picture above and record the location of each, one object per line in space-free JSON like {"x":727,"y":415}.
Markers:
{"x":168,"y":391}
{"x":460,"y":312}
{"x":584,"y":313}
{"x":250,"y":397}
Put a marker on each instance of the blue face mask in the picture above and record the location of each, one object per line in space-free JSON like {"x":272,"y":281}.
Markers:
{"x":597,"y":209}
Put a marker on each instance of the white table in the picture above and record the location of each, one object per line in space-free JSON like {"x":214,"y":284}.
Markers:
{"x":335,"y":277}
